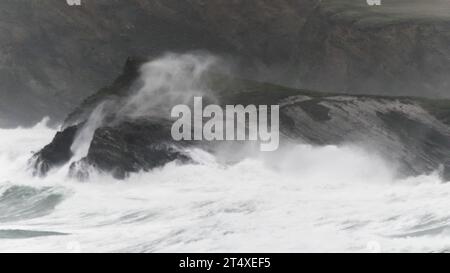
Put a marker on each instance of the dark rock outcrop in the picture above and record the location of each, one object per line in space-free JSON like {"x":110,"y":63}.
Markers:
{"x":55,"y":154}
{"x":131,"y":146}
{"x":411,"y":133}
{"x":408,"y":132}
{"x":122,"y":87}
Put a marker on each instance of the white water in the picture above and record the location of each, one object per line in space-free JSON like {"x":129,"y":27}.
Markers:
{"x":305,"y":199}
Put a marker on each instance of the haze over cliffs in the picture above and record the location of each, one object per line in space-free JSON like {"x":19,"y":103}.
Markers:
{"x":53,"y":55}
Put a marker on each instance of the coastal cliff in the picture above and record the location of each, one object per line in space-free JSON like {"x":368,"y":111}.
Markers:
{"x":60,"y":54}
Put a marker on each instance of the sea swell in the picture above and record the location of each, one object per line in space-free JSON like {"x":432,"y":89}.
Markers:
{"x":334,"y":198}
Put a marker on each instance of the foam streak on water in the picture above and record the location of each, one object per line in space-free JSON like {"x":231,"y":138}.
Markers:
{"x":302,"y":199}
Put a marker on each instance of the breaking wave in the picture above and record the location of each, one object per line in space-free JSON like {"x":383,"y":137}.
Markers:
{"x":304,"y":198}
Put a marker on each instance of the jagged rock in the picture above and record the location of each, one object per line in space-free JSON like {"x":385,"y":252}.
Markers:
{"x":131,"y":146}
{"x":410,"y":133}
{"x":55,"y":154}
{"x":120,"y":88}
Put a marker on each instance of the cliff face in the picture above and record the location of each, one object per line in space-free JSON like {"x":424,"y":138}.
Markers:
{"x":52,"y":55}
{"x":389,"y":52}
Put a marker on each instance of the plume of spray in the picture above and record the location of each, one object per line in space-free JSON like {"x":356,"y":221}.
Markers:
{"x":166,"y":81}
{"x":80,"y":145}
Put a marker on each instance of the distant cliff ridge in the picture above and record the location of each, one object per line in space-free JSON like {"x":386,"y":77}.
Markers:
{"x":52,"y":55}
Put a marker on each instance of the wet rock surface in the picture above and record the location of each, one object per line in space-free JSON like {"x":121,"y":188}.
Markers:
{"x":55,"y":154}
{"x":131,"y":146}
{"x":412,"y":133}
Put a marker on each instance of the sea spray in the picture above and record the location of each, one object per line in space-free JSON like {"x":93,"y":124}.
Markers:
{"x":302,"y":198}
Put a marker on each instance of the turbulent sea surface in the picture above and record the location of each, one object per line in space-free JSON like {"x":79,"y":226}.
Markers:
{"x":299,"y":199}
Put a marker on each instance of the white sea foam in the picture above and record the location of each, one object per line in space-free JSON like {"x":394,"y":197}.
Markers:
{"x":300,"y":199}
